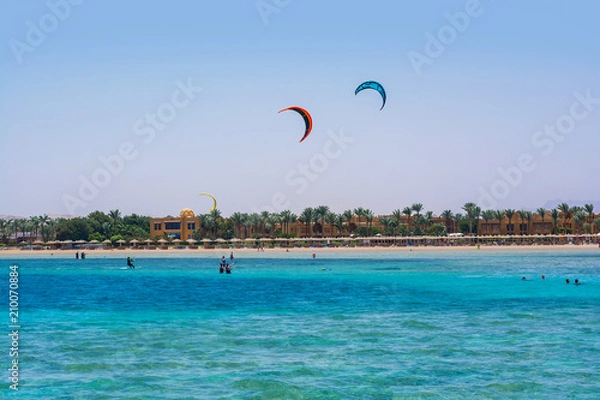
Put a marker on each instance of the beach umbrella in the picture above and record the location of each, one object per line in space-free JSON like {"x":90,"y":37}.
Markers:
{"x":219,"y":240}
{"x":162,"y":241}
{"x":176,"y":240}
{"x":191,"y":241}
{"x":134,"y":241}
{"x":107,"y":241}
{"x":94,"y":241}
{"x":206,"y":240}
{"x":235,"y":240}
{"x":149,"y":241}
{"x":38,"y":242}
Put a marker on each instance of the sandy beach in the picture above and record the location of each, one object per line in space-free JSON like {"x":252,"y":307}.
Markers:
{"x":278,"y":251}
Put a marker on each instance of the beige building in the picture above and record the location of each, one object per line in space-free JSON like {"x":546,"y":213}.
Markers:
{"x":182,"y":227}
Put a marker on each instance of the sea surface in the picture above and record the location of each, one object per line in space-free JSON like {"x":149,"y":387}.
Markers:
{"x":417,"y":325}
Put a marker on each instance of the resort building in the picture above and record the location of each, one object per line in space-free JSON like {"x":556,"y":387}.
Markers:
{"x":182,"y":227}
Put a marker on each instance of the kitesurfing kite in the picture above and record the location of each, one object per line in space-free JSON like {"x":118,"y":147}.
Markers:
{"x":214,"y":201}
{"x":305,"y":115}
{"x":375,"y":86}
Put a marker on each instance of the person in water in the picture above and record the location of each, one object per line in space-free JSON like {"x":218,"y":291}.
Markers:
{"x":130,"y":262}
{"x":83,"y":255}
{"x":568,"y":281}
{"x":231,"y":256}
{"x":77,"y":256}
{"x":227,"y":268}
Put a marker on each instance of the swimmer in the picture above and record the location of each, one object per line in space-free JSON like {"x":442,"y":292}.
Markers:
{"x":567,"y":281}
{"x":577,"y":282}
{"x":543,"y":277}
{"x":314,"y":255}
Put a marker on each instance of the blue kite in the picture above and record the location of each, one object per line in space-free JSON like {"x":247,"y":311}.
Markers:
{"x":375,"y":86}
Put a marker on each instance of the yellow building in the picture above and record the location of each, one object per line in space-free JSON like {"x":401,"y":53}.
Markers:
{"x":181,"y":227}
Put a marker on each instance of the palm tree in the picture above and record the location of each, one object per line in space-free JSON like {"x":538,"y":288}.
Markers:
{"x":238,"y":219}
{"x":339,"y":223}
{"x":488,"y":215}
{"x":458,"y":218}
{"x":555,"y":214}
{"x":408,"y":212}
{"x":448,"y":218}
{"x":359,"y":212}
{"x":472,"y":213}
{"x":369,"y":217}
{"x":579,"y":218}
{"x":523,"y":215}
{"x":393,"y":225}
{"x":115,"y":215}
{"x":43,"y":221}
{"x":427,"y":218}
{"x":216,"y":217}
{"x":510,"y":213}
{"x":499,"y":215}
{"x":330,"y":218}
{"x":320,"y":213}
{"x":589,"y":209}
{"x":542,"y":213}
{"x":417,"y":207}
{"x":34,"y":223}
{"x":397,"y":213}
{"x":5,"y":229}
{"x":291,"y":219}
{"x":528,"y":217}
{"x":348,"y":215}
{"x":307,"y":216}
{"x":566,"y":212}
{"x":385,"y":221}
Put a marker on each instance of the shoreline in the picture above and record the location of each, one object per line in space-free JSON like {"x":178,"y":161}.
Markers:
{"x":149,"y":253}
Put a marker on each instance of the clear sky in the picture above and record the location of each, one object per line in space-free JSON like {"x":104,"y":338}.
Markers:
{"x":494,"y":102}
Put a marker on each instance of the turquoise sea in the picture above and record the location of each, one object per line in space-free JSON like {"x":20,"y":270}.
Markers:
{"x":439,"y":325}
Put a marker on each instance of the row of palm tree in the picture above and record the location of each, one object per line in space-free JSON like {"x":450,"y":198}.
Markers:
{"x":96,"y":225}
{"x":408,"y":221}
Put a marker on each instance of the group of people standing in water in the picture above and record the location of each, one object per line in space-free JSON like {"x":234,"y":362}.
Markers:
{"x":225,"y":267}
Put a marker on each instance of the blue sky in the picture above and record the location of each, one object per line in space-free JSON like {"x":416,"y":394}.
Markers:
{"x":453,"y":130}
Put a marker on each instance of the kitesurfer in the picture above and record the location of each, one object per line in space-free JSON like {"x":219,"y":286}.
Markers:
{"x":130,"y":262}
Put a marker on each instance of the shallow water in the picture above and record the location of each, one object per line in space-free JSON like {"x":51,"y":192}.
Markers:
{"x":391,"y":326}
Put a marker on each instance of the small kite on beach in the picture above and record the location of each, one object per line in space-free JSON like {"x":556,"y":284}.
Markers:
{"x":375,"y":86}
{"x":305,"y":115}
